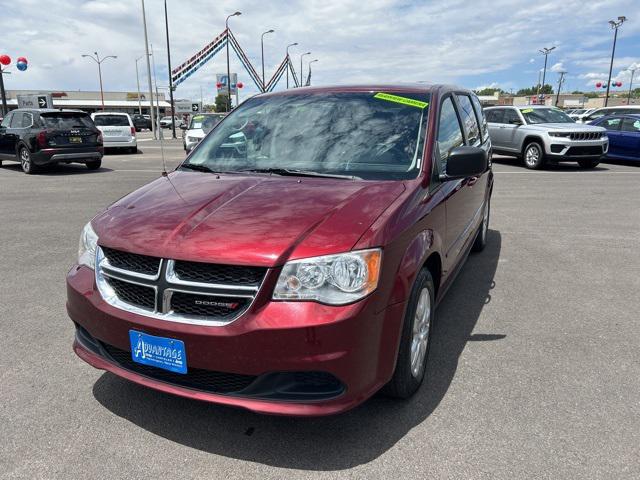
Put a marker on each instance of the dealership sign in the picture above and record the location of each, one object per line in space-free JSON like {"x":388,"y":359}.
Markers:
{"x":188,"y":106}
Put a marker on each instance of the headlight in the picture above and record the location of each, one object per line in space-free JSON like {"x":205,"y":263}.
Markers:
{"x":559,"y":134}
{"x":332,"y":279}
{"x":87,"y":247}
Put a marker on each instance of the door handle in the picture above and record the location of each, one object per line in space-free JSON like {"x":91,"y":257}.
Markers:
{"x":472,"y":181}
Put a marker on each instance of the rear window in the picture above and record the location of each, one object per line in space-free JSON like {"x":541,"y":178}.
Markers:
{"x":66,"y":121}
{"x":111,"y":121}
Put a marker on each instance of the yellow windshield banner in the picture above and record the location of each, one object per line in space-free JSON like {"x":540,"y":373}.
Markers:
{"x":527,"y":110}
{"x":403,"y":100}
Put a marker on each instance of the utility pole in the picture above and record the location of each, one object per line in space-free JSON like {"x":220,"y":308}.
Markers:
{"x":146,"y":47}
{"x":173,"y":114}
{"x":99,"y":62}
{"x":301,"y":73}
{"x":138,"y":82}
{"x":615,"y":25}
{"x":3,"y":94}
{"x":289,"y":61}
{"x":262,"y":57}
{"x":633,"y":70}
{"x":226,"y":23}
{"x":560,"y":80}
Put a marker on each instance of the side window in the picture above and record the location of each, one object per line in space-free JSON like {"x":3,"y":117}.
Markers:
{"x":494,"y":115}
{"x":469,"y":119}
{"x":630,"y":125}
{"x":6,"y":120}
{"x":481,"y":118}
{"x":510,"y":116}
{"x":16,"y":120}
{"x":597,"y":114}
{"x":449,"y":132}
{"x":27,"y":120}
{"x":611,"y":123}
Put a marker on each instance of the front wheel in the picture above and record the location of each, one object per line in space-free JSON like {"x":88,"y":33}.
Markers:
{"x":26,"y":162}
{"x":415,"y":338}
{"x":533,"y":156}
{"x":481,"y":237}
{"x":588,"y":163}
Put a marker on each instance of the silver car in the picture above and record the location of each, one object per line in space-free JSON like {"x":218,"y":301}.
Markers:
{"x":198,"y":128}
{"x":540,"y":134}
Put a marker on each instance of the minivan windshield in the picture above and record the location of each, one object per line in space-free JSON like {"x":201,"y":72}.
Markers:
{"x":111,"y":120}
{"x":372,"y":135}
{"x":545,"y":115}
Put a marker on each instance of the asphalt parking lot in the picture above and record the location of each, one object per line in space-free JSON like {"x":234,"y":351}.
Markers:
{"x":533,"y":372}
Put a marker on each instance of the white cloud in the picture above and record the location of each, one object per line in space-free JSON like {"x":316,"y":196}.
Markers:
{"x":558,"y":67}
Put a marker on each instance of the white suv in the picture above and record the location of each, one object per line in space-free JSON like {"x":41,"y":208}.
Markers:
{"x":117,"y":130}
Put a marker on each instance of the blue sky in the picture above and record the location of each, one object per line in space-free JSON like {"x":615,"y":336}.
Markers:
{"x":471,"y":43}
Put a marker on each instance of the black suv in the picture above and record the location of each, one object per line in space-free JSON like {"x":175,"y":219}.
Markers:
{"x":44,"y":137}
{"x":140,"y":122}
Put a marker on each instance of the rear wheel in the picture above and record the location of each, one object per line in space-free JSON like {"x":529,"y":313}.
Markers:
{"x":133,"y":149}
{"x":481,"y":237}
{"x":415,"y":339}
{"x":533,"y":156}
{"x":94,"y":164}
{"x":26,"y":162}
{"x":588,"y":163}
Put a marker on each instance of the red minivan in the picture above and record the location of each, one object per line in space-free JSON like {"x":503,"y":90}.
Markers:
{"x":293,"y":263}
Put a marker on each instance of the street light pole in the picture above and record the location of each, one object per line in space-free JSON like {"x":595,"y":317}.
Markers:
{"x":226,"y":23}
{"x":615,"y":25}
{"x":146,"y":48}
{"x":309,"y":75}
{"x":633,"y":70}
{"x":138,"y":83}
{"x":301,"y":73}
{"x":173,"y":114}
{"x":545,"y":51}
{"x":99,"y":62}
{"x":262,"y":54}
{"x":289,"y":61}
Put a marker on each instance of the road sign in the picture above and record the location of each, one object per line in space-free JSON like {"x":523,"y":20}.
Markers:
{"x":187,"y":106}
{"x":35,"y":101}
{"x":221,"y":83}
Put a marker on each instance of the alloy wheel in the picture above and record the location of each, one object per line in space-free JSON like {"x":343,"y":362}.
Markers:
{"x":532,"y":155}
{"x":25,"y":159}
{"x":421,"y":327}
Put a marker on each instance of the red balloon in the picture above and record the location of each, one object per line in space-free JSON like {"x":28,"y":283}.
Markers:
{"x":619,"y":84}
{"x":5,"y":59}
{"x":218,"y":85}
{"x":598,"y":84}
{"x":240,"y":84}
{"x":21,"y":59}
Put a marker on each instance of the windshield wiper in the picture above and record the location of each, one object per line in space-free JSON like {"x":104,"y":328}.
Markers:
{"x":198,"y":168}
{"x":297,"y":173}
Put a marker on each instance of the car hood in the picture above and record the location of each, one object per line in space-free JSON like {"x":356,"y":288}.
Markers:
{"x":195,"y":133}
{"x":243,"y":219}
{"x":567,"y":127}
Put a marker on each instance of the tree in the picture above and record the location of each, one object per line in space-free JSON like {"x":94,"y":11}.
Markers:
{"x":591,"y":94}
{"x":489,"y":91}
{"x":221,"y":102}
{"x":546,"y":89}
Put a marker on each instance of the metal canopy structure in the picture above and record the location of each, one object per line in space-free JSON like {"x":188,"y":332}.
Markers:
{"x":193,"y":64}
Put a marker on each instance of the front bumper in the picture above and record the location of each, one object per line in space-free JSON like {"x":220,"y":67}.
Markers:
{"x":564,"y":149}
{"x":354,"y":344}
{"x":67,"y":155}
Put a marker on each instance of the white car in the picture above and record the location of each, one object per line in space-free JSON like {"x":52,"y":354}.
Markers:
{"x":117,"y":130}
{"x":595,"y":113}
{"x":199,"y":126}
{"x":165,"y":122}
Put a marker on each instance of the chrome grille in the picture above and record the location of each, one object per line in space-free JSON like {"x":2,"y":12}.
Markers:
{"x":187,"y":292}
{"x":585,"y":135}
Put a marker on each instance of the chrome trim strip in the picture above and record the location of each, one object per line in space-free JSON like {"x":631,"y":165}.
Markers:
{"x":172,"y":277}
{"x":105,"y":264}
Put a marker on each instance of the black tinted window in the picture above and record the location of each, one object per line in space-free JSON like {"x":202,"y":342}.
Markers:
{"x":27,"y":120}
{"x":16,"y":120}
{"x":111,"y":121}
{"x":480,"y":115}
{"x":631,"y":125}
{"x":494,"y":115}
{"x":469,"y":119}
{"x":510,"y":116}
{"x":449,"y":132}
{"x":612,"y":123}
{"x":66,"y":121}
{"x":6,"y":121}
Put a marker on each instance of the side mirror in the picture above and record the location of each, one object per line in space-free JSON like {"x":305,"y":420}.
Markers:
{"x":465,"y":162}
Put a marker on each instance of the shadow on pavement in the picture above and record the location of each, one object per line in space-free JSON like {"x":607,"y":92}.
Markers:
{"x":568,"y":166}
{"x":330,"y":443}
{"x":52,"y":170}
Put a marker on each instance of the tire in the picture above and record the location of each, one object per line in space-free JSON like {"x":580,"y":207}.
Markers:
{"x":410,"y":368}
{"x":133,"y":150}
{"x":94,"y":164}
{"x":26,"y":162}
{"x":533,"y":156}
{"x":481,"y":238}
{"x":588,"y":163}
